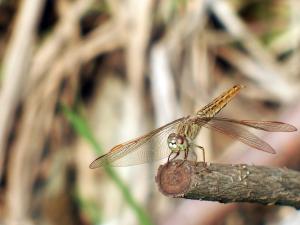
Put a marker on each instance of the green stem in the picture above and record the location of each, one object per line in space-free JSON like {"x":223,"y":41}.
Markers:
{"x":80,"y":126}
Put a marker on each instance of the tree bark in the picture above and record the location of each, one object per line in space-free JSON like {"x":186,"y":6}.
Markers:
{"x":230,"y":183}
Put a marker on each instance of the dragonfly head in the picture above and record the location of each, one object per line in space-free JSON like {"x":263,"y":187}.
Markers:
{"x":177,"y":142}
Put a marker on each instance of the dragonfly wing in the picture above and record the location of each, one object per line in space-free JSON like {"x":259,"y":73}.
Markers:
{"x":271,"y":126}
{"x":237,"y":132}
{"x":150,"y":147}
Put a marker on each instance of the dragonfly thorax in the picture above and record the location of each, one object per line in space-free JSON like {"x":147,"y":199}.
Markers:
{"x":177,"y":142}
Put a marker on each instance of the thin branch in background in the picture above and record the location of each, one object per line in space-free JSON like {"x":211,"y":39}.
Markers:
{"x":162,"y":86}
{"x":266,"y":63}
{"x":15,"y":67}
{"x":54,"y":45}
{"x":38,"y":113}
{"x":37,"y":117}
{"x":256,"y":72}
{"x":227,"y":183}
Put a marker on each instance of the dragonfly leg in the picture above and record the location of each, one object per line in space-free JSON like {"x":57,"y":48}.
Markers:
{"x":169,"y":157}
{"x":203,"y":153}
{"x":186,"y":152}
{"x":176,"y":155}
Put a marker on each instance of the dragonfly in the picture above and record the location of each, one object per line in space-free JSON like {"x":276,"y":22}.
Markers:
{"x":180,"y":134}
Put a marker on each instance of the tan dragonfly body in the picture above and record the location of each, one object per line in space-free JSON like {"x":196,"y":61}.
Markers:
{"x":191,"y":128}
{"x":179,"y":135}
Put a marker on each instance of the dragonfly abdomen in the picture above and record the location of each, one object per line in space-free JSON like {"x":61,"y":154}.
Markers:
{"x":219,"y":103}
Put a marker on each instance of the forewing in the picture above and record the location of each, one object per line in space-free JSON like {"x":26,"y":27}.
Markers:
{"x":236,"y":131}
{"x":150,"y":147}
{"x":270,"y":126}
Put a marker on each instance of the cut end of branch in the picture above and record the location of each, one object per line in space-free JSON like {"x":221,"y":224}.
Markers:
{"x":174,"y":178}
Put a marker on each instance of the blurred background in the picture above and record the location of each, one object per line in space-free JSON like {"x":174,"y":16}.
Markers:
{"x":80,"y":76}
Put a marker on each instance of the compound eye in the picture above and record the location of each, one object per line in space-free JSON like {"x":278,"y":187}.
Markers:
{"x":180,"y":140}
{"x":171,"y":137}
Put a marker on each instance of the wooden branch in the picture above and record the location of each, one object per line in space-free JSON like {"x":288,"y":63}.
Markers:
{"x":230,"y":183}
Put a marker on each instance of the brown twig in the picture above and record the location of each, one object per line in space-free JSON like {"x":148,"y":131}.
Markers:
{"x":15,"y":67}
{"x":230,"y":183}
